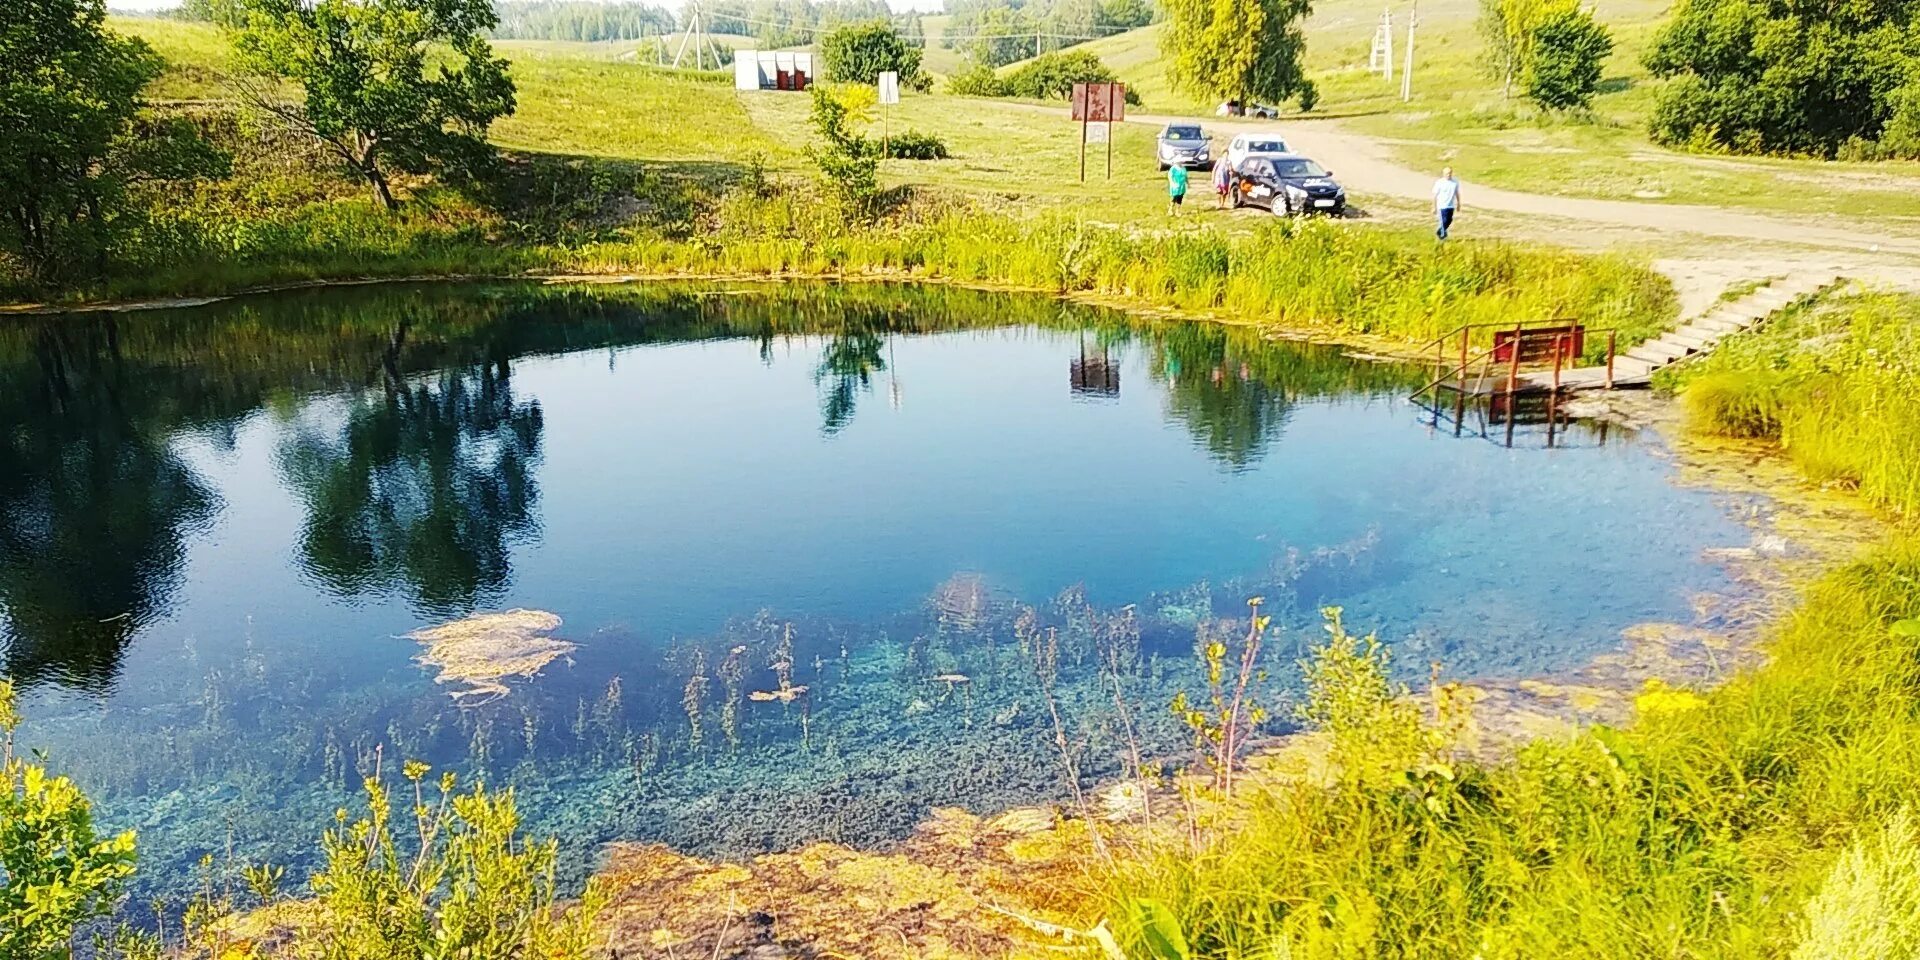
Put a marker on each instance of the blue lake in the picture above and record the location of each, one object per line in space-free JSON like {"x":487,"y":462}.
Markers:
{"x":217,"y":524}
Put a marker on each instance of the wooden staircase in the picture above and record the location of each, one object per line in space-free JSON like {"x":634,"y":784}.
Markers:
{"x":1637,"y":365}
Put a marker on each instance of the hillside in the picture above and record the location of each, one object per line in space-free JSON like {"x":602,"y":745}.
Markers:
{"x":1457,"y":116}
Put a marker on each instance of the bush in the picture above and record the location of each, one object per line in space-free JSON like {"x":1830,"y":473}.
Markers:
{"x":913,"y":145}
{"x":979,"y":80}
{"x":1568,"y":50}
{"x":859,"y":53}
{"x":56,"y":873}
{"x":472,"y":887}
{"x":849,"y":163}
{"x":1050,"y":76}
{"x":1758,"y":77}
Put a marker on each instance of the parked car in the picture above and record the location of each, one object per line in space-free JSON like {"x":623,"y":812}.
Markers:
{"x":1234,"y":108}
{"x":1288,"y":185}
{"x":1184,"y":145}
{"x":1248,"y":144}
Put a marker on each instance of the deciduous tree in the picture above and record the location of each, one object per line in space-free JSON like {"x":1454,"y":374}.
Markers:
{"x":1568,"y":51}
{"x":860,"y":52}
{"x":1786,"y":77}
{"x":408,"y":85}
{"x":1239,"y":49}
{"x":69,"y":91}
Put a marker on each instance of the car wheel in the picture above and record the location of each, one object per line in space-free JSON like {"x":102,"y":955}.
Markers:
{"x":1281,"y":208}
{"x":1163,"y":167}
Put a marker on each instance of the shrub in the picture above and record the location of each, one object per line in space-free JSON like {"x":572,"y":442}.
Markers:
{"x":1050,"y":76}
{"x":471,"y":887}
{"x":1736,"y":404}
{"x":1754,"y":76}
{"x":1568,"y":50}
{"x":849,"y":163}
{"x":979,"y":80}
{"x":56,"y":872}
{"x":912,"y":145}
{"x":860,"y":52}
{"x":1869,"y":906}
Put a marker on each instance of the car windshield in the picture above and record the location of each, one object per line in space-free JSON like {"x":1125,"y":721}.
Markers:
{"x":1267,"y":146}
{"x":1182,"y":133}
{"x":1299,"y":168}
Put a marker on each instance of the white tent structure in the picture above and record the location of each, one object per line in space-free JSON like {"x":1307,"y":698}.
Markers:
{"x":772,"y":70}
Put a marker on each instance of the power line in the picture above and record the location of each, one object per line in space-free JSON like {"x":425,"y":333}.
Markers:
{"x":810,"y":28}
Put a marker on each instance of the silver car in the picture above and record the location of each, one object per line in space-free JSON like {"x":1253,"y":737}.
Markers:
{"x":1184,"y":145}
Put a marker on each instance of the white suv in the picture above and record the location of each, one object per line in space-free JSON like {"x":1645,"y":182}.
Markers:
{"x":1247,"y":144}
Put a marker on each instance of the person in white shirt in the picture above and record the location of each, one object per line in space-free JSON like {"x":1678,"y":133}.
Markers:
{"x":1446,"y":200}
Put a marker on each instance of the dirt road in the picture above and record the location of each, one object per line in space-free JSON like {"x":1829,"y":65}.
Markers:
{"x":1365,"y":165}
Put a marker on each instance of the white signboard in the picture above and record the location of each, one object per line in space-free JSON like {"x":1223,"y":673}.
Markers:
{"x":889,"y":87}
{"x":1097,"y":132}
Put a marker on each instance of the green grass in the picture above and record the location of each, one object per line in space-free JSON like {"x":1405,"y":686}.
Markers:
{"x":1458,"y":116}
{"x":937,"y":59}
{"x":577,"y":106}
{"x":1311,"y":275}
{"x":1837,"y":384}
{"x":1703,"y":830}
{"x":196,"y":56}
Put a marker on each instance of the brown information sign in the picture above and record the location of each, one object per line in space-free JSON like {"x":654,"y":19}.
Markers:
{"x":1099,"y":102}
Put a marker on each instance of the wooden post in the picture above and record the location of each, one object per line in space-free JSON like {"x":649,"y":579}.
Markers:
{"x":1610,"y":336}
{"x":1464,"y":331}
{"x":1109,"y":150}
{"x":1083,"y":150}
{"x":1513,"y":361}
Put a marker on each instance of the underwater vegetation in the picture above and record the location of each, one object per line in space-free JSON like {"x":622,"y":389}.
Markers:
{"x":480,"y":652}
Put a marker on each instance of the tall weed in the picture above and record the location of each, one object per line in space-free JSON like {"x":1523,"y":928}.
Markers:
{"x":1704,"y":830}
{"x":1838,"y":384}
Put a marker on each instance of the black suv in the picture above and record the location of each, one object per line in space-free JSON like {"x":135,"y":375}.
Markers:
{"x":1288,"y":185}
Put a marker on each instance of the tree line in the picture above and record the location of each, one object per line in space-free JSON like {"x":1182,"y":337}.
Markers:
{"x":582,"y":20}
{"x":994,"y":33}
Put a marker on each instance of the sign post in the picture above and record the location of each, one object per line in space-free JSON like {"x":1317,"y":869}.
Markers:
{"x":889,"y":95}
{"x":1104,"y":104}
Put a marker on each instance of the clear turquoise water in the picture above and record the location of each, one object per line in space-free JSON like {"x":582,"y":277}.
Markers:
{"x":216,"y":523}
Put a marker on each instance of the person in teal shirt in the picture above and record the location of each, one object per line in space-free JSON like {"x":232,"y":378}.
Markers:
{"x":1176,"y":188}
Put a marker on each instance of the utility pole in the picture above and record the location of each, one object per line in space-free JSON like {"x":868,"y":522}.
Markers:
{"x":1406,"y":74}
{"x":1380,"y":59}
{"x":697,"y":35}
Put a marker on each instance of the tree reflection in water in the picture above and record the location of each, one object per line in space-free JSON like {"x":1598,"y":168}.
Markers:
{"x":422,"y":488}
{"x":95,"y":507}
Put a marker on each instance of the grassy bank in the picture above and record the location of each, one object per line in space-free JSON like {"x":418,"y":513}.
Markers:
{"x":1770,"y":817}
{"x":1836,"y":384}
{"x":1303,"y":276}
{"x":1299,"y":275}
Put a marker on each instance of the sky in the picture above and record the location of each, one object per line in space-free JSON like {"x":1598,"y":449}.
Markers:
{"x":928,"y":6}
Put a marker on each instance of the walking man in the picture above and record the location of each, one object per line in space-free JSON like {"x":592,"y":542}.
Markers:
{"x":1446,"y":200}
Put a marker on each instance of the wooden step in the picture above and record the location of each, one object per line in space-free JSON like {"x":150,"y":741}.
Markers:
{"x":1720,"y":326}
{"x":1631,"y":368}
{"x":1690,"y":338}
{"x":1656,"y":355}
